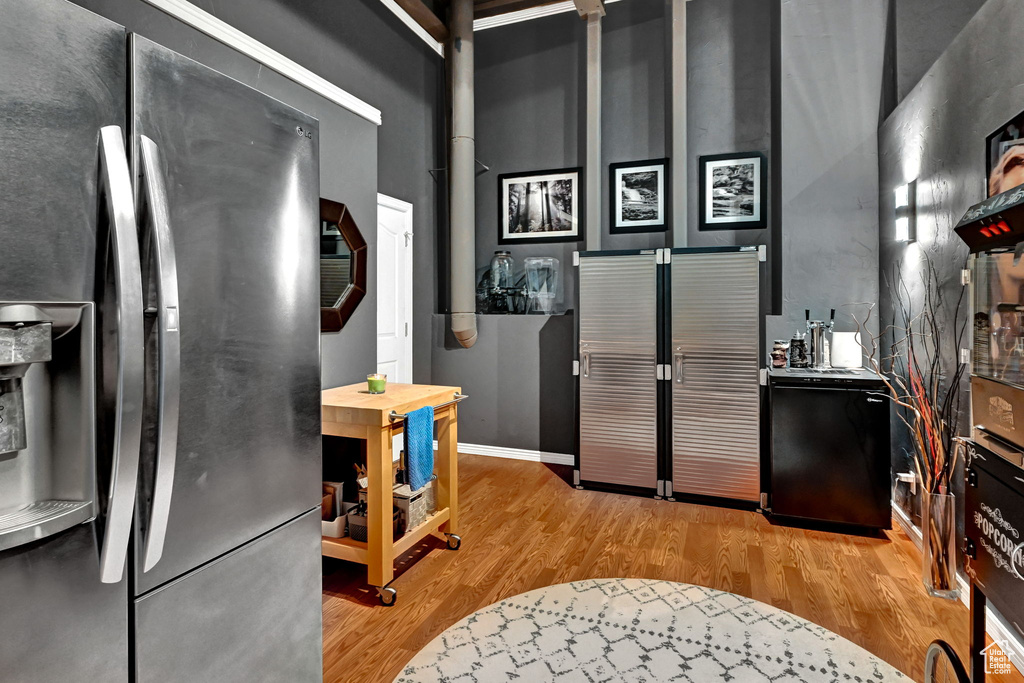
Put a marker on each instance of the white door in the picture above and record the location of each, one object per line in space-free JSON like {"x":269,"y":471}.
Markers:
{"x":394,"y":288}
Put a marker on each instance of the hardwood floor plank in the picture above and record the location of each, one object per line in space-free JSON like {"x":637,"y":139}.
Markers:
{"x":525,"y":527}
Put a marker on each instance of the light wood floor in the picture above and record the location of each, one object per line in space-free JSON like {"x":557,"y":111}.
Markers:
{"x":524,"y":527}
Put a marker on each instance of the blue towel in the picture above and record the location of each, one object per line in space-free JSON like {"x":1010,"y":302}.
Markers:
{"x":419,"y":446}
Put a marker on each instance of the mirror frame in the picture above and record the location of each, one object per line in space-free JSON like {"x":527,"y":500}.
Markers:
{"x":334,"y":318}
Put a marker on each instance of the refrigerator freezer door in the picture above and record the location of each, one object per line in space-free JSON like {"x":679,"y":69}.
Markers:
{"x":618,"y":304}
{"x":242,"y":183}
{"x":62,"y":79}
{"x":253,"y":615}
{"x":715,"y":342}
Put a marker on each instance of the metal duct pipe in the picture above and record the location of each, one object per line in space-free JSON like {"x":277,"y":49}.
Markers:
{"x":461,"y":174}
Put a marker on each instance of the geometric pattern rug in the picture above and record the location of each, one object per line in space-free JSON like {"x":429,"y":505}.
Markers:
{"x":640,"y":631}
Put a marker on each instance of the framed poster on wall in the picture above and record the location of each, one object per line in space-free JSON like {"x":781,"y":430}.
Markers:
{"x":540,"y":206}
{"x":1004,"y":156}
{"x":733,"y":191}
{"x":639,"y":196}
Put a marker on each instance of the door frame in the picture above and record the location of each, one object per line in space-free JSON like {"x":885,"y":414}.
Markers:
{"x":406,"y":209}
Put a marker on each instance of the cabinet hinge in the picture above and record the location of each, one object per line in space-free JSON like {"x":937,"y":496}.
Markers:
{"x":763,"y":377}
{"x":659,"y":256}
{"x":762,"y":253}
{"x":965,"y":277}
{"x":576,"y":477}
{"x":576,"y":368}
{"x":764,"y":503}
{"x":661,"y":488}
{"x":965,"y":356}
{"x":575,"y":258}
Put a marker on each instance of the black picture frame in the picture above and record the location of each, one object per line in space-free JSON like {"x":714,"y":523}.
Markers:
{"x":1010,"y":134}
{"x":663,"y":209}
{"x":759,"y":216}
{"x":575,"y":175}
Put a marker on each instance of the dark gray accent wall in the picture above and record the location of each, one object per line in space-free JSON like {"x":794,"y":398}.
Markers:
{"x":924,"y":28}
{"x":832,"y":89}
{"x":937,"y":136}
{"x":361,"y":47}
{"x":530,"y":99}
{"x":521,"y":390}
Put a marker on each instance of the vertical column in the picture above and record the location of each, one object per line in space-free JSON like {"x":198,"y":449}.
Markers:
{"x":593,"y":156}
{"x":675,"y":118}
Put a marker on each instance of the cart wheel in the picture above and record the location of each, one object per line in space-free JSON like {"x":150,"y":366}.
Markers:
{"x":387,"y":596}
{"x":941,"y":665}
{"x":454,"y":542}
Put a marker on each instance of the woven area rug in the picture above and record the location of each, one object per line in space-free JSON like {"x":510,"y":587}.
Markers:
{"x":639,"y":630}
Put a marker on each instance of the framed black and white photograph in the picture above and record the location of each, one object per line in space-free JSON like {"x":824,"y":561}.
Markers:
{"x":639,"y":196}
{"x":733,"y":191}
{"x":541,"y":206}
{"x":1004,"y":157}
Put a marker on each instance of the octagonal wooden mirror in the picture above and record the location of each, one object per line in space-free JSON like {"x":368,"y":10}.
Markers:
{"x":342,"y":265}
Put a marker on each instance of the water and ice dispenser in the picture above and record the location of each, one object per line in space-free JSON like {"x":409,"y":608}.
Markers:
{"x":47,"y":419}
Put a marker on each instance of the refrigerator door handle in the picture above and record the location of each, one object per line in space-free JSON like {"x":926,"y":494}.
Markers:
{"x":115,"y":184}
{"x":154,"y":200}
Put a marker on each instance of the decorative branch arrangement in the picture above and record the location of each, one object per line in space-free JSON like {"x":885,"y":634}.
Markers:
{"x":922,"y":372}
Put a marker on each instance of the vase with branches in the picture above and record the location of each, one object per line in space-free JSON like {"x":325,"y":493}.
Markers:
{"x":922,"y":373}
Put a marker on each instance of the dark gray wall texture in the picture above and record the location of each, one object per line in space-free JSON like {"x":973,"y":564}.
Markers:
{"x":937,"y":136}
{"x":361,"y":47}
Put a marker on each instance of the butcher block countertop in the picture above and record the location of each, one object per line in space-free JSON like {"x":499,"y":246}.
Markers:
{"x":352,"y":404}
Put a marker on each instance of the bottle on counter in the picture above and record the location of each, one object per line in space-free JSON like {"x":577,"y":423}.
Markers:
{"x":798,"y":357}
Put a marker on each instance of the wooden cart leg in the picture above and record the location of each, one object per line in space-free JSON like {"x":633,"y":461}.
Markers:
{"x":380,"y":532}
{"x":448,"y":469}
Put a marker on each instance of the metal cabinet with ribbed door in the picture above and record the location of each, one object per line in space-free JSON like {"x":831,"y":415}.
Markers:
{"x":669,"y":373}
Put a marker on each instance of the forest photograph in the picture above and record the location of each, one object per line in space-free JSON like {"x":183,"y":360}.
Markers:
{"x":540,"y":206}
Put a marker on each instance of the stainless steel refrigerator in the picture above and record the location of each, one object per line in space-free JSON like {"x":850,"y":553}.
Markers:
{"x":669,"y":373}
{"x":159,"y":363}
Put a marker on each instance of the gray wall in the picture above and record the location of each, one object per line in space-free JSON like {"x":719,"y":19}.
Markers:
{"x":832,"y":88}
{"x":530,"y":102}
{"x":924,"y":28}
{"x":363,"y":48}
{"x":937,"y":136}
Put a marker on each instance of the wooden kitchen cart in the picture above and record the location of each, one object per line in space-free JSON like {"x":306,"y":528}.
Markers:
{"x":376,"y":418}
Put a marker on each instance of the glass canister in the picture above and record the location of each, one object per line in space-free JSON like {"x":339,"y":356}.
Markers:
{"x":541,"y":283}
{"x":798,"y":357}
{"x":502,"y":273}
{"x":502,"y":269}
{"x":780,"y":353}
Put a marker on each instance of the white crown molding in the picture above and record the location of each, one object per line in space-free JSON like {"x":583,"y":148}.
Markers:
{"x":219,"y":30}
{"x":528,"y":14}
{"x":421,"y":32}
{"x":994,"y":623}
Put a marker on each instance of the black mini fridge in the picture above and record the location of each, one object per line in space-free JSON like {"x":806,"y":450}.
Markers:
{"x":830,"y":459}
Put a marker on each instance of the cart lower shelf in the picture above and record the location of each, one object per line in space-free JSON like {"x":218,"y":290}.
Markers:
{"x":356,"y":551}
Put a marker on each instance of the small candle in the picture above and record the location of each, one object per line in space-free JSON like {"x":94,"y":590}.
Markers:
{"x":375,"y":383}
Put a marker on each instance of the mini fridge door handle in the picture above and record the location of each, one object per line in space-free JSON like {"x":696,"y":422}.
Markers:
{"x":153,"y":196}
{"x":116,"y":185}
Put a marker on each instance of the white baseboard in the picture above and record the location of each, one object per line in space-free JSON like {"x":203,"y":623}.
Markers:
{"x":516,"y":454}
{"x":995,"y":625}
